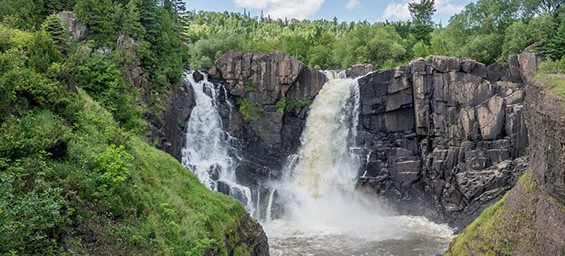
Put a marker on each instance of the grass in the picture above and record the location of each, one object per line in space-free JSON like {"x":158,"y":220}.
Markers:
{"x":110,"y":193}
{"x":500,"y":229}
{"x":552,"y":74}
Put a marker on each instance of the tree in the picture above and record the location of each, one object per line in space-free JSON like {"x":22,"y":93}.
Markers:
{"x":422,"y":12}
{"x":542,"y":7}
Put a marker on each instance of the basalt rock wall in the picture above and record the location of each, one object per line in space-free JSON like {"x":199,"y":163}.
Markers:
{"x":442,"y":136}
{"x":276,"y":87}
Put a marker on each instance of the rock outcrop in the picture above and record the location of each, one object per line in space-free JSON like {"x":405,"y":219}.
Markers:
{"x":277,"y":89}
{"x":77,"y":31}
{"x":545,"y":117}
{"x":442,"y":133}
{"x":530,"y":219}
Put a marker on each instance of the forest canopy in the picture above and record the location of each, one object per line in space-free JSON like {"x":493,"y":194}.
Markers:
{"x":487,"y":30}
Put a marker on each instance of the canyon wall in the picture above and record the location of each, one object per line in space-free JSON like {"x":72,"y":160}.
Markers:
{"x":530,"y":219}
{"x":441,"y":137}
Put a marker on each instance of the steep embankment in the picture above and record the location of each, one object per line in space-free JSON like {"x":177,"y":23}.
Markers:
{"x":104,"y":192}
{"x":530,"y":219}
{"x":75,"y":180}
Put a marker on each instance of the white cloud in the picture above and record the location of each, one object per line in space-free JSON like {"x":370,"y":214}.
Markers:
{"x":444,"y":6}
{"x":299,"y":9}
{"x":399,"y":11}
{"x":353,"y":4}
{"x":396,"y":11}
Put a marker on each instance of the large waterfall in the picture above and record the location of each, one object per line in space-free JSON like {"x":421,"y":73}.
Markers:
{"x":322,"y":213}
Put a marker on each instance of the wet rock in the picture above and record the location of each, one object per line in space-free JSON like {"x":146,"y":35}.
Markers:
{"x":197,"y":76}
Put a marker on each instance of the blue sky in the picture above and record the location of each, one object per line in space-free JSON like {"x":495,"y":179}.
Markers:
{"x":344,"y":10}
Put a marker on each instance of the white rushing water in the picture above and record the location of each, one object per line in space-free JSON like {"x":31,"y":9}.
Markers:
{"x":207,"y":145}
{"x":323,"y":213}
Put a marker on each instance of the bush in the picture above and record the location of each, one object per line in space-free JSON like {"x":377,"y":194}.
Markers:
{"x":553,"y":67}
{"x":251,"y":111}
{"x":30,"y":222}
{"x":103,"y":81}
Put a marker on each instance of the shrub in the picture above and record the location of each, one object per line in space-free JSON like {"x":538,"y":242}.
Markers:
{"x":251,"y":111}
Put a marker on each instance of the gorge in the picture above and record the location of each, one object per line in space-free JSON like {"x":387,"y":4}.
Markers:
{"x":442,"y":137}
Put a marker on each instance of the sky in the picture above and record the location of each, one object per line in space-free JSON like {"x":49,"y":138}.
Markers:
{"x":344,"y":10}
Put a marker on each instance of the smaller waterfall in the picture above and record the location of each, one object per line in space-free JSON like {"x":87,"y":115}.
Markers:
{"x":208,"y":152}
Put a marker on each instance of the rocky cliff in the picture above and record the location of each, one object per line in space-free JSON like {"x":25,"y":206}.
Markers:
{"x":443,"y":136}
{"x":271,"y":92}
{"x":530,"y":219}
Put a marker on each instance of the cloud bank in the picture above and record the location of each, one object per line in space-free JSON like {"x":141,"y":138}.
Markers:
{"x":299,"y":9}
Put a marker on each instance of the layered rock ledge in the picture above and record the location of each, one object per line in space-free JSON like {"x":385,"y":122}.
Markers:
{"x":443,"y":136}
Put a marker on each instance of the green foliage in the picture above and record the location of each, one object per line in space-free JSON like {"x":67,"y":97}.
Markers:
{"x":204,"y":52}
{"x":21,"y":14}
{"x":73,"y":179}
{"x":249,"y":85}
{"x":554,"y":46}
{"x":281,"y":105}
{"x":527,"y":181}
{"x":284,"y":105}
{"x":42,"y":52}
{"x":551,"y":75}
{"x":553,"y":67}
{"x":31,"y":134}
{"x":103,"y":80}
{"x":251,"y":111}
{"x":378,"y":44}
{"x":420,"y":49}
{"x":95,"y":14}
{"x":30,"y":222}
{"x":52,"y":25}
{"x":113,"y":165}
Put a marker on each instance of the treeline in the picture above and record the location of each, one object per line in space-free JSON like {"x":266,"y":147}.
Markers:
{"x":488,"y":31}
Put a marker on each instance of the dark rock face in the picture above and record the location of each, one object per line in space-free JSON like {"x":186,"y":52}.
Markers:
{"x":270,"y":81}
{"x":249,"y":233}
{"x":443,"y":136}
{"x":545,"y":116}
{"x":175,"y":119}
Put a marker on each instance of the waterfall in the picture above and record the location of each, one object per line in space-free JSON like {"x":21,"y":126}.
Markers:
{"x":207,"y":146}
{"x":314,"y":209}
{"x":325,"y":161}
{"x":323,"y":212}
